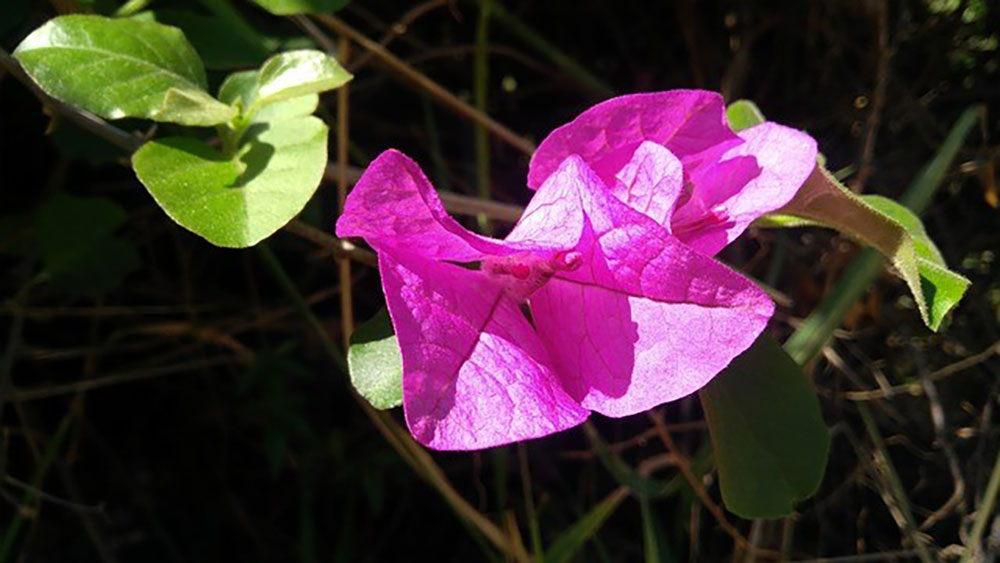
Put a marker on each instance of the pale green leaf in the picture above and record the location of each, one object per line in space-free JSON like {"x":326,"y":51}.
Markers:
{"x":292,"y":7}
{"x":297,"y":73}
{"x":743,"y":114}
{"x":121,"y":68}
{"x":240,"y":89}
{"x":770,"y":441}
{"x":375,"y":362}
{"x":236,"y":201}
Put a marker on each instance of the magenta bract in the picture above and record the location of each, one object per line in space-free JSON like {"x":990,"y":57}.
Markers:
{"x":612,"y":256}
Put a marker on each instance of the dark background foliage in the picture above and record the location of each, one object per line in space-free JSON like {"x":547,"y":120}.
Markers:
{"x":225,"y":433}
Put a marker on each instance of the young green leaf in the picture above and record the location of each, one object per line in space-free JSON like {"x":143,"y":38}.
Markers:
{"x":285,"y":86}
{"x":770,"y":441}
{"x":375,"y":362}
{"x":240,"y":200}
{"x":121,"y":68}
{"x":293,"y":7}
{"x":298,"y":73}
{"x":743,"y":114}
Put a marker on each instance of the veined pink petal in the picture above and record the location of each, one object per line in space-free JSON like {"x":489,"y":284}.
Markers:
{"x":751,"y":179}
{"x":644,"y":319}
{"x":394,"y":205}
{"x":475,"y":374}
{"x":651,"y":182}
{"x":684,"y":121}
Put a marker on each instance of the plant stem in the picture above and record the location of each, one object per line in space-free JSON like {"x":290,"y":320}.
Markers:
{"x":480,"y":88}
{"x":443,"y":96}
{"x":983,"y":513}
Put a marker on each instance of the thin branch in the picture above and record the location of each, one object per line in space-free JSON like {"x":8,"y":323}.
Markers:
{"x":344,"y":267}
{"x":48,"y":391}
{"x":399,"y":28}
{"x":874,"y":120}
{"x":83,"y":118}
{"x":416,"y":78}
{"x":916,"y":388}
{"x":699,"y":488}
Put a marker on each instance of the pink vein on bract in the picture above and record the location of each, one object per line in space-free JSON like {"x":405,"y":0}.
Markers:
{"x":612,"y":256}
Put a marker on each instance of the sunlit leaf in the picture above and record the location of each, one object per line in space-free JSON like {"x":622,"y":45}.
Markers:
{"x":240,"y":200}
{"x":770,"y":441}
{"x":375,"y":362}
{"x":285,"y":86}
{"x":121,"y":68}
{"x":743,"y":114}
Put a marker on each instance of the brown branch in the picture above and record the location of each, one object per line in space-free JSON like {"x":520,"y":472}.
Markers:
{"x":874,"y":120}
{"x":684,"y":466}
{"x":416,"y":78}
{"x":916,"y":388}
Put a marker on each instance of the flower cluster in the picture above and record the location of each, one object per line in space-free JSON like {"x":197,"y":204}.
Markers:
{"x":625,"y":307}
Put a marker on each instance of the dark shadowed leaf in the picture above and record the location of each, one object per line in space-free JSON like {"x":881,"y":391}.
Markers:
{"x":770,"y":441}
{"x":219,"y":45}
{"x":79,"y":249}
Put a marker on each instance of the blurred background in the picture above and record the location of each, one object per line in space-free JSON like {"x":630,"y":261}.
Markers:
{"x":165,"y":400}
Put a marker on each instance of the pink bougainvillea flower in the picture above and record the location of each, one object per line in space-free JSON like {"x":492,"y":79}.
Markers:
{"x":624,"y":315}
{"x":710,"y":183}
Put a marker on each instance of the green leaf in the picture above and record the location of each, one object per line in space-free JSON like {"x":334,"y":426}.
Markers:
{"x":892,"y":230}
{"x":889,"y":227}
{"x":375,"y":362}
{"x":576,"y":536}
{"x":298,"y":73}
{"x":79,"y":249}
{"x":808,"y":340}
{"x":292,"y":7}
{"x":770,"y":441}
{"x":240,"y":89}
{"x":121,"y":68}
{"x":240,"y":200}
{"x":219,"y":45}
{"x":743,"y":114}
